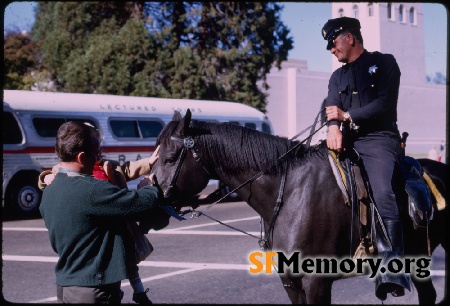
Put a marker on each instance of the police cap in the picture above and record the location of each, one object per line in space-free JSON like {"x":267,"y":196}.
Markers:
{"x":334,"y":27}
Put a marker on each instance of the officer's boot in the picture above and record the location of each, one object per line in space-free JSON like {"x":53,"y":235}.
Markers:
{"x":394,"y":283}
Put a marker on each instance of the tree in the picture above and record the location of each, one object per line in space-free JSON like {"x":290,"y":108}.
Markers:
{"x":19,"y":59}
{"x":438,"y":78}
{"x":232,"y":45}
{"x":196,"y":50}
{"x":81,"y":43}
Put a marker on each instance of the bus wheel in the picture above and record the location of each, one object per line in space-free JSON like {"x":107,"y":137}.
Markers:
{"x":25,"y":196}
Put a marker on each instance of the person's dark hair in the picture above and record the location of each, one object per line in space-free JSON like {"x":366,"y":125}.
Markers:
{"x":356,"y":33}
{"x":74,"y":137}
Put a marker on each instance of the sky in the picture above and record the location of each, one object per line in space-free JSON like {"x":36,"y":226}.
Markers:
{"x":305,"y":21}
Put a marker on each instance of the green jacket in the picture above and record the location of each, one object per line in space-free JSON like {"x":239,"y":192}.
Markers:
{"x":85,"y":218}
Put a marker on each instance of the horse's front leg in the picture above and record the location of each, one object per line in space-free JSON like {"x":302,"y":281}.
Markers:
{"x":317,"y":289}
{"x":294,"y":289}
{"x":425,"y":291}
{"x":308,"y":289}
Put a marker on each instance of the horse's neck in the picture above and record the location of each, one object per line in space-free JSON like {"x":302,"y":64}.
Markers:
{"x":257,"y":193}
{"x":232,"y":162}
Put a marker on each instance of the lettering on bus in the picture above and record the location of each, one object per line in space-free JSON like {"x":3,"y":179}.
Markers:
{"x":122,"y":158}
{"x":118,"y":107}
{"x":183,"y":110}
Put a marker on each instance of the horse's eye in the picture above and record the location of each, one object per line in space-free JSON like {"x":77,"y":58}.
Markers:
{"x":169,"y":161}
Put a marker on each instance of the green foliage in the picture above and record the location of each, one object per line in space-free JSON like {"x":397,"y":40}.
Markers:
{"x":195,"y":50}
{"x":439,"y":78}
{"x":19,"y":59}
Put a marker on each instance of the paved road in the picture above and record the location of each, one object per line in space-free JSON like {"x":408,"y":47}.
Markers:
{"x":195,"y":262}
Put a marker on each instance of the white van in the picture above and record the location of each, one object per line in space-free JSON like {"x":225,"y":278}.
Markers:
{"x":129,"y":126}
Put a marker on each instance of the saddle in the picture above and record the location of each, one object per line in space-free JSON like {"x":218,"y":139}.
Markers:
{"x":423,"y":196}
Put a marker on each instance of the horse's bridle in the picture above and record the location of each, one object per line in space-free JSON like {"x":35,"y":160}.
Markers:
{"x":188,"y":144}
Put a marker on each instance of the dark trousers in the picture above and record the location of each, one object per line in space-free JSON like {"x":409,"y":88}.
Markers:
{"x":106,"y":294}
{"x":381,"y":155}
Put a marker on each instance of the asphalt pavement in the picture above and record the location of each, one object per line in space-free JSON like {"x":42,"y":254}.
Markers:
{"x":196,"y":261}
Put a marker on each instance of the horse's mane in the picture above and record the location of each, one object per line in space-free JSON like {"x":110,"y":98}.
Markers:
{"x":236,"y":148}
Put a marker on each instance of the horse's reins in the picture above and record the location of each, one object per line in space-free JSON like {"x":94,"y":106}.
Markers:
{"x":256,"y":176}
{"x":189,"y":144}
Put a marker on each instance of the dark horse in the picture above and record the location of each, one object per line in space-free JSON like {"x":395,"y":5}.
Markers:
{"x":313,"y":218}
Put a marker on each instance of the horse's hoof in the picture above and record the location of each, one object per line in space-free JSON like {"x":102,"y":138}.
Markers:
{"x":385,"y":288}
{"x":398,"y":292}
{"x":381,"y":295}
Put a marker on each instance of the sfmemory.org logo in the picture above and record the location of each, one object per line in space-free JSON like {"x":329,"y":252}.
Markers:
{"x":263,"y":262}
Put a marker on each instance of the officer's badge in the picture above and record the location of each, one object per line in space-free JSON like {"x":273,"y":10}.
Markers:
{"x":324,"y":33}
{"x":373,"y":69}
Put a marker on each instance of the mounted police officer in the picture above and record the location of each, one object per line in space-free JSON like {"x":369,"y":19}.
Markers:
{"x":362,"y":97}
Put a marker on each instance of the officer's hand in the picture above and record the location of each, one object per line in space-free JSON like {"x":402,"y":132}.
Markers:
{"x":334,"y":113}
{"x":334,"y":138}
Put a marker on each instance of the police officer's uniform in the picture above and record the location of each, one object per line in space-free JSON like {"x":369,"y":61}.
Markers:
{"x":367,"y":89}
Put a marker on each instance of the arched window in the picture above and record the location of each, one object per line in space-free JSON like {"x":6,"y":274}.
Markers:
{"x":341,"y":12}
{"x":400,"y":13}
{"x":412,"y":16}
{"x":355,"y":12}
{"x":370,"y":8}
{"x":389,"y":11}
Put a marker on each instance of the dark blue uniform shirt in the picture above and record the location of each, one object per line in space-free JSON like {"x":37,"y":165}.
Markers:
{"x":377,"y":80}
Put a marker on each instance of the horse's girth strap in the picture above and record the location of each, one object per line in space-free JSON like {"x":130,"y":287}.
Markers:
{"x":440,"y":201}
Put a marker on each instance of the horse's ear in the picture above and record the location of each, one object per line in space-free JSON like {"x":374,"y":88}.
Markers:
{"x":183,"y":125}
{"x":187,"y":120}
{"x":176,"y":116}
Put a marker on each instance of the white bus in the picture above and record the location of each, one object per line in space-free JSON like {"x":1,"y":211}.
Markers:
{"x":129,"y":126}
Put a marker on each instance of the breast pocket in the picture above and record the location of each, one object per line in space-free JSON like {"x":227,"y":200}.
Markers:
{"x":344,"y":89}
{"x":344,"y":94}
{"x":367,"y":89}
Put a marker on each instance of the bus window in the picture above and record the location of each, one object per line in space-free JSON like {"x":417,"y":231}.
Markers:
{"x":234,"y":122}
{"x":124,"y":128}
{"x":250,"y":125}
{"x":47,"y":127}
{"x":150,"y":128}
{"x":13,"y":134}
{"x":83,"y":120}
{"x":211,"y":120}
{"x":266,"y":128}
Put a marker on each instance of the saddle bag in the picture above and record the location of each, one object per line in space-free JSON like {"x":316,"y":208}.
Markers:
{"x":420,"y":206}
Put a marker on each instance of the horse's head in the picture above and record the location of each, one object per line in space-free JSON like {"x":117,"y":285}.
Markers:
{"x":179,"y":175}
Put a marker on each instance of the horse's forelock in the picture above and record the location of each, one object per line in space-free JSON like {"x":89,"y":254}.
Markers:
{"x":167,"y":131}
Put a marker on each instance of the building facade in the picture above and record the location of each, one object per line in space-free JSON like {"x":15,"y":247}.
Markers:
{"x":296,"y":94}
